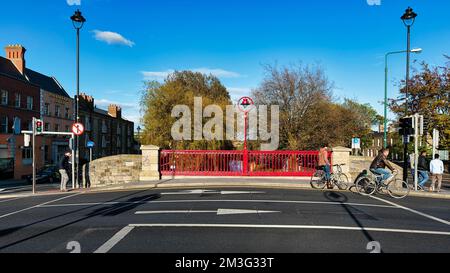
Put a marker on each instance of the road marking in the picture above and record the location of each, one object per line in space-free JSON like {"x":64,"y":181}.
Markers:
{"x":294,"y":227}
{"x":38,"y":206}
{"x":212,"y":201}
{"x":218,"y":211}
{"x":11,"y":199}
{"x":115,"y":239}
{"x":210,"y":192}
{"x":413,"y":211}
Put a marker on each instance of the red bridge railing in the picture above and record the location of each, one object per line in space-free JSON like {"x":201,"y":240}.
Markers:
{"x":231,"y":163}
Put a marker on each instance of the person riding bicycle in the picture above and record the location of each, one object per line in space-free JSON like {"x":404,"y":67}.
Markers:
{"x":379,"y":165}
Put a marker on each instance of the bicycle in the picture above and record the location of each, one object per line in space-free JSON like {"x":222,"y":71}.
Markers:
{"x":337,"y":178}
{"x":371,"y":183}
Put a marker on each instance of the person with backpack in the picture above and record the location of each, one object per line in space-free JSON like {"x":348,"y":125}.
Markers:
{"x":65,"y":169}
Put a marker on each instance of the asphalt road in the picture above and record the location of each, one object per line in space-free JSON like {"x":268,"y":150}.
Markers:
{"x":223,"y":221}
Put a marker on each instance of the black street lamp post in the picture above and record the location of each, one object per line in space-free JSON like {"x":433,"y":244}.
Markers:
{"x":408,"y":19}
{"x":78,"y":21}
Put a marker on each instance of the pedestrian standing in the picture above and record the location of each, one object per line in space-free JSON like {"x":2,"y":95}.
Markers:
{"x":324,"y":164}
{"x":423,"y":170}
{"x":64,"y":169}
{"x":437,"y":170}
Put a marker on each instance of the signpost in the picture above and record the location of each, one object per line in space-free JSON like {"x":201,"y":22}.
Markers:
{"x":90,"y":145}
{"x":78,"y":129}
{"x":245,"y":104}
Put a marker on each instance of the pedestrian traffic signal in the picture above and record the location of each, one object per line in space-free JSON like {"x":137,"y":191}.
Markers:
{"x":406,"y":126}
{"x":38,"y":126}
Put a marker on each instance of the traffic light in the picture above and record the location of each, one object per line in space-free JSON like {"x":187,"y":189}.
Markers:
{"x":39,"y":126}
{"x":406,"y":126}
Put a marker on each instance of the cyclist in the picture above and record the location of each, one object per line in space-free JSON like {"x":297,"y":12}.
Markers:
{"x":324,"y":163}
{"x":379,"y":165}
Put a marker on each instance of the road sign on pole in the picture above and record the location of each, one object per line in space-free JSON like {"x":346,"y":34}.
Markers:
{"x":78,"y":129}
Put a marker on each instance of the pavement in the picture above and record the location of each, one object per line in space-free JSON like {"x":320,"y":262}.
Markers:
{"x":195,"y":182}
{"x":223,"y":220}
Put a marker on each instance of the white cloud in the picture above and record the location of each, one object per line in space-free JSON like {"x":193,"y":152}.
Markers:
{"x":156,"y":74}
{"x":239,"y":91}
{"x":220,"y":73}
{"x":105,"y":103}
{"x":73,"y":2}
{"x":112,"y":38}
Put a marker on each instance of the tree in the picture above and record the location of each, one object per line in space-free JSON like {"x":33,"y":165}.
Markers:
{"x":430,"y":88}
{"x":180,"y":88}
{"x":296,"y":89}
{"x":364,"y":118}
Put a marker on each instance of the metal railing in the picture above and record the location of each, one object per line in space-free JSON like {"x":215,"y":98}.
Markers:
{"x":231,"y":163}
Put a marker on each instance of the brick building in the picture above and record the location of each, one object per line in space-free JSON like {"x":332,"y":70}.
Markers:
{"x":56,"y":111}
{"x":111,"y":133}
{"x":19,"y":103}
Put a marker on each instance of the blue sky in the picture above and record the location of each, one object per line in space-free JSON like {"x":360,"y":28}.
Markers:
{"x":125,"y":42}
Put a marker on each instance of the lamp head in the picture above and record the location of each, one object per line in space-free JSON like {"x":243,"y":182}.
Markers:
{"x":78,"y":19}
{"x":409,"y":17}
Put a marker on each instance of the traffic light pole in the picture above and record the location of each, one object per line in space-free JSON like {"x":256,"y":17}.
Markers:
{"x":34,"y":155}
{"x":33,"y":139}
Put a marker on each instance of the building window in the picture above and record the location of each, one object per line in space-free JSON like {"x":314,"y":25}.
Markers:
{"x":87,"y":122}
{"x":4,"y":98}
{"x":67,"y":129}
{"x":18,"y":98}
{"x":47,"y":109}
{"x":4,"y":125}
{"x":30,"y":125}
{"x":67,"y":113}
{"x":30,"y":103}
{"x":104,"y":127}
{"x":56,"y":127}
{"x":57,"y":111}
{"x":26,"y":153}
{"x":46,"y":126}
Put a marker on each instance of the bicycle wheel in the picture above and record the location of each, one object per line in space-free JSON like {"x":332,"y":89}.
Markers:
{"x":398,"y":189}
{"x":342,"y":181}
{"x":365,"y":186}
{"x":318,"y":180}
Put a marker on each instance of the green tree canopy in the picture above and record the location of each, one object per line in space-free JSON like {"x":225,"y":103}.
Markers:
{"x":179,"y":88}
{"x":430,"y":88}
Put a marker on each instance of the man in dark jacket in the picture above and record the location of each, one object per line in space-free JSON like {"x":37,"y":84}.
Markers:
{"x":65,"y":169}
{"x":423,"y":170}
{"x":379,"y":165}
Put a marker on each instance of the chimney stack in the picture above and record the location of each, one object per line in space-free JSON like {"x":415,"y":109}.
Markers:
{"x":16,"y":54}
{"x":115,"y":111}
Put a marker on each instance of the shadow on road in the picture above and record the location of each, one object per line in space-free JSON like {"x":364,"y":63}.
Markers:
{"x":342,"y":198}
{"x":108,"y":211}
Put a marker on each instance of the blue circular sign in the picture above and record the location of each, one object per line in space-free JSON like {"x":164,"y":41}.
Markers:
{"x":90,"y":144}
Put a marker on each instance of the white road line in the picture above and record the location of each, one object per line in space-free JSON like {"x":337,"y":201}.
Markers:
{"x":212,"y":201}
{"x":175,"y":211}
{"x":293,"y":227}
{"x":413,"y":211}
{"x":38,"y":206}
{"x":11,"y":199}
{"x":218,"y":211}
{"x":114,"y":240}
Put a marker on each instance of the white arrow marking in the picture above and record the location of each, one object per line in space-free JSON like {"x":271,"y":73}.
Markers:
{"x":242,"y":211}
{"x":210,"y":192}
{"x":218,"y":212}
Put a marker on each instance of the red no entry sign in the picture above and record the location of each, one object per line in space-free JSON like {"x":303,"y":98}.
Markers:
{"x":78,"y":129}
